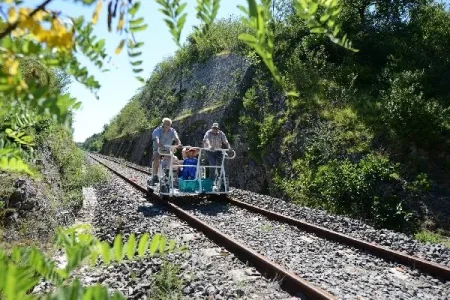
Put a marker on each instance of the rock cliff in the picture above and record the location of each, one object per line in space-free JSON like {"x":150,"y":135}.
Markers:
{"x":211,"y":92}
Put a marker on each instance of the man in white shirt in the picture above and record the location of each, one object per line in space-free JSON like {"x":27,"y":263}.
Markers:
{"x":161,"y":136}
{"x":214,"y":139}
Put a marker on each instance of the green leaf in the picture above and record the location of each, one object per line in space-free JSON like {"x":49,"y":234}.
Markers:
{"x":138,"y":28}
{"x":118,"y":250}
{"x":172,"y":244}
{"x":162,"y":244}
{"x":154,"y":243}
{"x":313,"y":6}
{"x":14,"y":164}
{"x":181,"y":21}
{"x":135,"y":54}
{"x":180,"y":9}
{"x":130,"y":246}
{"x":248,"y":38}
{"x":324,"y":18}
{"x":136,"y":45}
{"x":136,"y":21}
{"x":133,"y":10}
{"x":106,"y":252}
{"x":136,"y":63}
{"x":318,"y":30}
{"x":143,"y":242}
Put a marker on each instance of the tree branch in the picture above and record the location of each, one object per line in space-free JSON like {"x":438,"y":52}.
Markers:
{"x":13,"y":26}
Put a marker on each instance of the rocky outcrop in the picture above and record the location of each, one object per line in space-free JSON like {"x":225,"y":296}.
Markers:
{"x":211,"y":92}
{"x":30,"y":205}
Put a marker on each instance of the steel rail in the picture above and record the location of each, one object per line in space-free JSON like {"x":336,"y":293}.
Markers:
{"x":288,"y":280}
{"x":128,"y":165}
{"x":431,"y":268}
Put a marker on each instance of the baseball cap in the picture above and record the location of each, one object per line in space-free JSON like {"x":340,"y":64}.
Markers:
{"x":215,"y":125}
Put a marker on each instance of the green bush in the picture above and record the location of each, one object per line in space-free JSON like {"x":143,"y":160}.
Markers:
{"x":73,"y":167}
{"x":94,"y":143}
{"x":260,"y":120}
{"x":94,"y":174}
{"x":222,"y":38}
{"x":369,"y":189}
{"x":132,"y":118}
{"x":410,"y":117}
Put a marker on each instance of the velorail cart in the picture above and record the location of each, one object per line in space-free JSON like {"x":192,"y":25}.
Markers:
{"x":171,"y":185}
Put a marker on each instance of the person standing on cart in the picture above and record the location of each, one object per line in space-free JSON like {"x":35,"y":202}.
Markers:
{"x":161,"y":136}
{"x":215,"y":139}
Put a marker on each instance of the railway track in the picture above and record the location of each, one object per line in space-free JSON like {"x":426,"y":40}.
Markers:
{"x":290,"y":281}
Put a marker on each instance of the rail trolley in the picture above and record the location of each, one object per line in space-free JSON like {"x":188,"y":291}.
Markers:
{"x":171,"y":185}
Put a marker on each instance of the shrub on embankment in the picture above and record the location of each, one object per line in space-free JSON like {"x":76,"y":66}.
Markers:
{"x":32,"y":206}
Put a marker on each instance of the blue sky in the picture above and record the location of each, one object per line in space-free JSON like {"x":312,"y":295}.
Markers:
{"x":119,"y":84}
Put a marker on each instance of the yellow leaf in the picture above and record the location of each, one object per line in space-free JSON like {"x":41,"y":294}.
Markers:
{"x":23,"y":84}
{"x":12,"y":15}
{"x":39,"y":16}
{"x":23,"y":13}
{"x":97,"y":12}
{"x":121,"y":22}
{"x":119,"y":48}
{"x":11,"y":66}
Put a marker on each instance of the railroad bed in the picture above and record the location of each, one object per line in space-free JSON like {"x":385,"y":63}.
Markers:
{"x":339,"y":269}
{"x":206,"y":268}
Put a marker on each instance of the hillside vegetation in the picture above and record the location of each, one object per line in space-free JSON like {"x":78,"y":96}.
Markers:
{"x":32,"y":206}
{"x":368,"y":135}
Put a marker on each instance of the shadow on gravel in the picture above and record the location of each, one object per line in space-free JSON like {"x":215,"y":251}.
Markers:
{"x":152,"y":210}
{"x":206,"y":207}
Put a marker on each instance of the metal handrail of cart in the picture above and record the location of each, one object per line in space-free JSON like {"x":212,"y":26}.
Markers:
{"x":169,"y":150}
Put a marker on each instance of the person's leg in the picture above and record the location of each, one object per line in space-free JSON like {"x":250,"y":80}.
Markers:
{"x":156,"y":161}
{"x":218,"y":162}
{"x":212,"y":162}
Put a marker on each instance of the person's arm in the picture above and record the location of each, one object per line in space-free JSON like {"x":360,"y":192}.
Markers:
{"x":225,"y":141}
{"x":177,"y":138}
{"x":155,"y":136}
{"x":206,"y":141}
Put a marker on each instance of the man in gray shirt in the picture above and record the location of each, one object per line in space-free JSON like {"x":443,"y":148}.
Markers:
{"x":214,"y":139}
{"x":161,"y":136}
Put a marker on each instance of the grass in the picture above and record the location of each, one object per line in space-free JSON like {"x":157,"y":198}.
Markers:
{"x":183,"y":115}
{"x":211,"y":108}
{"x":426,"y":236}
{"x":266,"y":227}
{"x":167,"y":282}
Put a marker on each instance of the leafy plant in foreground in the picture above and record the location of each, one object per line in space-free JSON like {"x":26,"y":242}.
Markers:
{"x":23,"y":268}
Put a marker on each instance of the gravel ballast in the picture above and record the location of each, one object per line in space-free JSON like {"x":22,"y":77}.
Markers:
{"x":393,"y":240}
{"x":339,"y":269}
{"x":206,"y":269}
{"x":438,"y":253}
